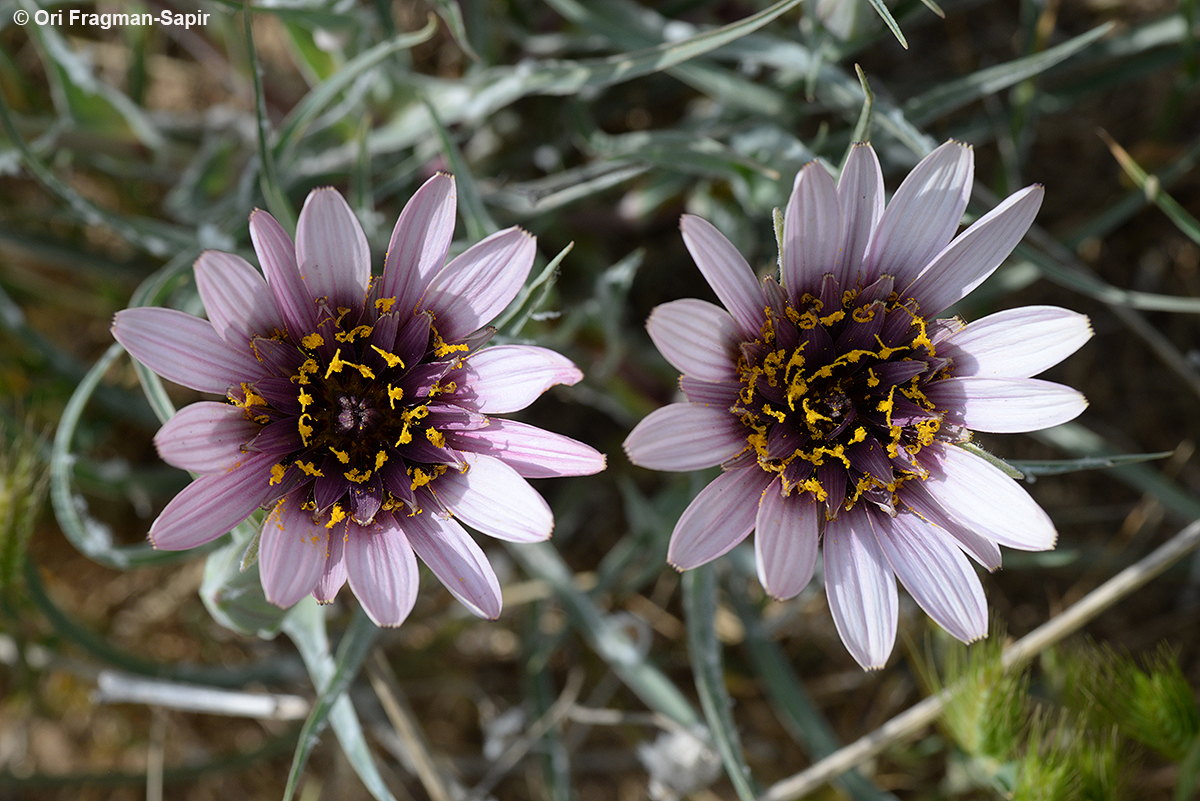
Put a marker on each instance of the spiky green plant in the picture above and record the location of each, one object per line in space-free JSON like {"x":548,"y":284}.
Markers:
{"x":23,"y":481}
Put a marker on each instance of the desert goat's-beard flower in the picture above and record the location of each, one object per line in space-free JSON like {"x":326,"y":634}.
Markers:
{"x":358,"y":408}
{"x":834,"y":402}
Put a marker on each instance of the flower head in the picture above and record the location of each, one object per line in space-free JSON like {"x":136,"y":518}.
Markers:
{"x":835,"y":401}
{"x":358,"y":408}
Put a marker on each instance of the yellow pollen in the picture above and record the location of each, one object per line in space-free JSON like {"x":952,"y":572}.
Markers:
{"x":394,"y":394}
{"x":310,"y":367}
{"x":392,"y":359}
{"x":357,"y":476}
{"x":277,"y":472}
{"x":353,"y":334}
{"x":313,"y":341}
{"x":435,"y":437}
{"x":336,"y":515}
{"x":441,"y":349}
{"x":342,"y":456}
{"x":308,"y":468}
{"x":385,"y":305}
{"x":420,"y":478}
{"x":305,"y":399}
{"x":811,"y":416}
{"x":336,"y":365}
{"x":380,"y":458}
{"x":305,"y":429}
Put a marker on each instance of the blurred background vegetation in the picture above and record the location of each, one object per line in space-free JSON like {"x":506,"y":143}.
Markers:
{"x":126,"y":150}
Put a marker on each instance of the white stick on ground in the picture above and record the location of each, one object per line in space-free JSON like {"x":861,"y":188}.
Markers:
{"x":922,"y":714}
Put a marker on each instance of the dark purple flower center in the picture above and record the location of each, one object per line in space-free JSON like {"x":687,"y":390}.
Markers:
{"x":358,"y":409}
{"x":832,"y":393}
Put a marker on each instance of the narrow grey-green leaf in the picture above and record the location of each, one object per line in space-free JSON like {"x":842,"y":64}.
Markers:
{"x":305,"y":625}
{"x":1057,"y":467}
{"x":704,"y":649}
{"x":319,"y":98}
{"x":604,"y":635}
{"x":955,"y":94}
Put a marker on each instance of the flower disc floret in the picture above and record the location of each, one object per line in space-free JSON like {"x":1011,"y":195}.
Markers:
{"x":832,"y":396}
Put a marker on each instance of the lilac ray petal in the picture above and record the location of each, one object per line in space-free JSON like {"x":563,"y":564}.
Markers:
{"x":860,"y":194}
{"x":978,"y":547}
{"x":277,"y":256}
{"x":457,"y":561}
{"x":420,"y":242}
{"x":507,"y":378}
{"x":718,"y":518}
{"x":685,"y":436}
{"x":786,"y":533}
{"x":205,"y":437}
{"x":238,"y":301}
{"x":292,"y":552}
{"x":975,"y":253}
{"x":493,"y":498}
{"x":184,"y":349}
{"x":861,"y":588}
{"x":707,"y":393}
{"x":382,"y":571}
{"x":531,"y":451}
{"x":923,"y":215}
{"x":333,"y":577}
{"x":726,"y":271}
{"x":1016,"y":343}
{"x":1005,"y":405}
{"x":332,"y":250}
{"x":471,"y":290}
{"x":982,"y":498}
{"x":812,"y":230}
{"x":936,"y":574}
{"x":212,"y":505}
{"x":698,"y":338}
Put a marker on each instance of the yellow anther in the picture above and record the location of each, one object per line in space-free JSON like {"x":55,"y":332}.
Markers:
{"x":305,"y":399}
{"x":336,"y":515}
{"x":392,"y":359}
{"x":355,"y":333}
{"x":420,"y":478}
{"x":435,"y":437}
{"x":357,"y":476}
{"x":310,"y":367}
{"x":380,"y":458}
{"x":811,"y":416}
{"x":872,"y":379}
{"x":342,"y":456}
{"x":313,"y":341}
{"x":394,"y":394}
{"x":335,"y":365}
{"x":305,"y":429}
{"x":309,"y":469}
{"x":277,"y":472}
{"x":384,"y":305}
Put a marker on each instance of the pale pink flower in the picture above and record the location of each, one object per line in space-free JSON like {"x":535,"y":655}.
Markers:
{"x":834,"y":402}
{"x":358,"y":408}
